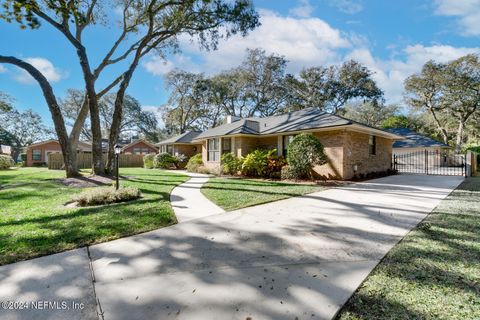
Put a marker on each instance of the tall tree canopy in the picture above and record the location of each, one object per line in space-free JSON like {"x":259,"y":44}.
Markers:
{"x":145,"y":27}
{"x":330,"y":88}
{"x":450,"y":93}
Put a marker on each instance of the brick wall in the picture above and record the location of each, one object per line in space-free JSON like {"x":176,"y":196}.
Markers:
{"x":44,"y":149}
{"x":141,"y":145}
{"x":356,"y":153}
{"x":333,"y":143}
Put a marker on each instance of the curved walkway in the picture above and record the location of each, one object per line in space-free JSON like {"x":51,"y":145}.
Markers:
{"x":188,"y":202}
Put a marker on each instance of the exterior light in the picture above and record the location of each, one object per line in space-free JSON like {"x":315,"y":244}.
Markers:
{"x":118,"y":150}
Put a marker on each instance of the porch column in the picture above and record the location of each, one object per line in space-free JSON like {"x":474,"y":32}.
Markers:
{"x":280,"y":145}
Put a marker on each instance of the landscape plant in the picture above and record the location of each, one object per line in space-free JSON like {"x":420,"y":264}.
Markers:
{"x":231,"y":164}
{"x":164,"y":161}
{"x":5,"y":162}
{"x":194,"y":163}
{"x":148,"y":160}
{"x":255,"y":163}
{"x":303,"y":153}
{"x":107,"y":195}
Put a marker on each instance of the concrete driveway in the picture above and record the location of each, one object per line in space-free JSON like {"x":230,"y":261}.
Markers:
{"x":299,"y":258}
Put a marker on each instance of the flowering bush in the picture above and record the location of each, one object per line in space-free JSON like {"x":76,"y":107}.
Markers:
{"x":5,"y":162}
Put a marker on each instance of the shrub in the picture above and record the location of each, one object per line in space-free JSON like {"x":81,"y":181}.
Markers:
{"x":148,"y":161}
{"x":231,"y":164}
{"x":39,"y":164}
{"x":194,"y":163}
{"x":255,"y":164}
{"x":275,"y":164}
{"x":98,"y":196}
{"x":180,"y":161}
{"x":6,"y":162}
{"x":289,"y":173}
{"x":164,"y":161}
{"x":303,"y":153}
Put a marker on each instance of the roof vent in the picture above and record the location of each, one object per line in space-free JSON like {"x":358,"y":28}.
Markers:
{"x":231,"y":119}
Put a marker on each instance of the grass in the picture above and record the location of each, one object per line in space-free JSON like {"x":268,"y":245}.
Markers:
{"x":34,"y":222}
{"x":434,"y":272}
{"x":231,"y":194}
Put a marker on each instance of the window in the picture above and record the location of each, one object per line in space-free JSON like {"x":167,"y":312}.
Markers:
{"x":136,"y":151}
{"x":170,"y":148}
{"x":372,"y":145}
{"x":286,"y":142}
{"x":213,"y":152}
{"x":226,"y":145}
{"x":37,"y":155}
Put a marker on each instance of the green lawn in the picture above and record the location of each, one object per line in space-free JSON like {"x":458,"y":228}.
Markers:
{"x":34,"y":222}
{"x":231,"y":194}
{"x":434,"y":273}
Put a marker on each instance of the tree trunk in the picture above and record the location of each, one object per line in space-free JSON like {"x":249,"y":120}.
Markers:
{"x":459,"y":140}
{"x":118,"y":115}
{"x":439,"y":126}
{"x":76,"y":131}
{"x":55,"y":111}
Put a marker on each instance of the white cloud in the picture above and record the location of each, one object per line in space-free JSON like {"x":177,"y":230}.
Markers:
{"x":303,"y":10}
{"x":467,"y":11}
{"x":390,"y":74}
{"x":158,"y":114}
{"x":303,"y":41}
{"x":2,"y":69}
{"x":347,"y":6}
{"x":44,"y":66}
{"x":160,"y":66}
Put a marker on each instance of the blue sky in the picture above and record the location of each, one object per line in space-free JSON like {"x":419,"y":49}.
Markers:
{"x":392,"y":38}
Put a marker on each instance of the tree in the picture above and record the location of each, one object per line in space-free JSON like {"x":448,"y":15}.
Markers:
{"x":370,"y":113}
{"x":255,"y":88}
{"x":145,"y":26}
{"x":20,"y":129}
{"x":5,"y":102}
{"x":397,"y":121}
{"x":423,"y":92}
{"x":185,"y":105}
{"x":329,"y":89}
{"x":449,"y":92}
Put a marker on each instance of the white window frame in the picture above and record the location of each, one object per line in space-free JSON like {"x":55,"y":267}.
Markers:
{"x":213,"y":150}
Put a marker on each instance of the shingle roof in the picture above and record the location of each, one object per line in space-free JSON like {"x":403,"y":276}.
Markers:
{"x":414,"y":139}
{"x":305,"y":119}
{"x":186,"y":137}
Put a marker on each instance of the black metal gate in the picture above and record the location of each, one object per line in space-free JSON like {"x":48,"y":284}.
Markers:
{"x":430,"y":162}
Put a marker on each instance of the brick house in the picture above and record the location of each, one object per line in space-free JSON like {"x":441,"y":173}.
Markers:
{"x":351,"y":147}
{"x":181,"y":144}
{"x":37,"y":153}
{"x":140,"y":147}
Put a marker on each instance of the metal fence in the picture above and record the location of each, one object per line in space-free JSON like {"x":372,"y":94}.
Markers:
{"x":431,"y":162}
{"x":84,"y":160}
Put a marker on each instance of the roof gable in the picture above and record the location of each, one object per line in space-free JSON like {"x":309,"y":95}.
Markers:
{"x":185,"y":137}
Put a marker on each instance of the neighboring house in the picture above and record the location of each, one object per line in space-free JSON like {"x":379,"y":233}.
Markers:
{"x":182,"y":144}
{"x":415,"y":142}
{"x":37,"y":153}
{"x":351,"y":148}
{"x":5,"y":149}
{"x":140,"y":147}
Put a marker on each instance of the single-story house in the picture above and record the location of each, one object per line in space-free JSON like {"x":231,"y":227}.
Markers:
{"x":5,"y":149}
{"x":37,"y":153}
{"x":182,"y":144}
{"x":351,"y":148}
{"x":415,"y":142}
{"x":140,"y":147}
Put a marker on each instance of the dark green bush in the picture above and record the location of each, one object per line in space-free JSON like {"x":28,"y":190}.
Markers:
{"x":231,"y":164}
{"x":99,"y":196}
{"x":194,"y":163}
{"x":6,"y":162}
{"x":39,"y":164}
{"x":164,"y":161}
{"x":148,"y":161}
{"x":303,"y":153}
